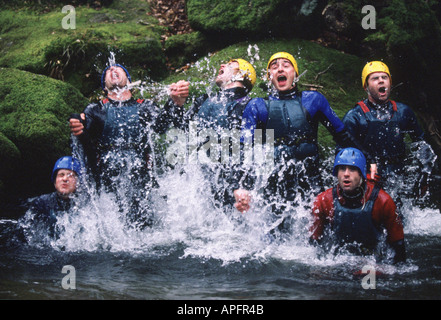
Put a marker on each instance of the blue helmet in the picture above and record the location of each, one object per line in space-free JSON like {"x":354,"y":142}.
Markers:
{"x":68,"y":163}
{"x":103,"y":75}
{"x":350,"y":157}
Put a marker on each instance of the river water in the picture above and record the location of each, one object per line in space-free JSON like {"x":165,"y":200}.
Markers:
{"x":196,"y":251}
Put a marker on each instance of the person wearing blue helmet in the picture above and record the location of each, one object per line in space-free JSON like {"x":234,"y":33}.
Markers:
{"x":116,"y":133}
{"x":45,"y":208}
{"x":390,"y":132}
{"x":353,"y":214}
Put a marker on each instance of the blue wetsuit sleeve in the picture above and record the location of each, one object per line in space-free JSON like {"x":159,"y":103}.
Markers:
{"x":412,"y":126}
{"x":355,"y":122}
{"x":320,"y":109}
{"x":254,"y":117}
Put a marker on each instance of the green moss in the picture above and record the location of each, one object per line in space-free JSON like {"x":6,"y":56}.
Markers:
{"x":38,"y":43}
{"x":228,"y":15}
{"x":34,"y":113}
{"x":231,"y":20}
{"x":185,"y":48}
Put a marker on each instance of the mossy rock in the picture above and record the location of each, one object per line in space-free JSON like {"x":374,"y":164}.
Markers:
{"x":37,"y":42}
{"x":231,"y":20}
{"x":34,"y":131}
{"x":183,"y":49}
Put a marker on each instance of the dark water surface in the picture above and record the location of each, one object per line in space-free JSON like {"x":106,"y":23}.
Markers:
{"x":167,"y":272}
{"x":198,"y":252}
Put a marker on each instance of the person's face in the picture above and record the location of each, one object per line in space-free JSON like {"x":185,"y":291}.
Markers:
{"x":282,"y":74}
{"x":226,"y":73}
{"x":65,"y":182}
{"x":349,"y":178}
{"x":115,"y":77}
{"x":378,"y":87}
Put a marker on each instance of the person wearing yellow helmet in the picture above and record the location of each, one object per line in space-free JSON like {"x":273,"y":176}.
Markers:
{"x":294,"y":118}
{"x":220,"y":111}
{"x":282,"y":81}
{"x":380,"y":125}
{"x":246,"y":74}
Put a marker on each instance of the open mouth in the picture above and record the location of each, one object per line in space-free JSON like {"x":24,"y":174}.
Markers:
{"x":281,"y":80}
{"x":115,"y":76}
{"x":382,"y":90}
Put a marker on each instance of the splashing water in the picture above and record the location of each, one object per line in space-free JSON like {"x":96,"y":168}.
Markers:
{"x":253,"y":57}
{"x":186,"y":216}
{"x":196,"y":248}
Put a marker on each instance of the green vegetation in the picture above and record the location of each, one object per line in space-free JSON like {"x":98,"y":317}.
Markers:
{"x":47,"y":72}
{"x":239,"y":19}
{"x":36,"y":42}
{"x":34,"y":110}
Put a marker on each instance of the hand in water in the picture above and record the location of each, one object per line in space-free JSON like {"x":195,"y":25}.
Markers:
{"x":179,"y":92}
{"x":243,"y":199}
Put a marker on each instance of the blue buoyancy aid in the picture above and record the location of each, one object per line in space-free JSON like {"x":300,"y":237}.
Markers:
{"x":384,"y":138}
{"x":122,"y":127}
{"x":355,"y":225}
{"x":222,"y":112}
{"x":294,"y":136}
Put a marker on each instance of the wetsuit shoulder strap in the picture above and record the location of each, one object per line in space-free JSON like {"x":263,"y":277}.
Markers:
{"x":394,"y":105}
{"x":334,"y":192}
{"x":375,"y":192}
{"x":363,"y":106}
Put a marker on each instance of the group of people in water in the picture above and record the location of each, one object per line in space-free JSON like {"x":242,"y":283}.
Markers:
{"x":116,"y":139}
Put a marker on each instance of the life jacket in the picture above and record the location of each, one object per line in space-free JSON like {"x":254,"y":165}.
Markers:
{"x":384,"y":138}
{"x":294,"y":136}
{"x":122,"y":128}
{"x":355,"y":224}
{"x":223,"y":115}
{"x":215,"y":112}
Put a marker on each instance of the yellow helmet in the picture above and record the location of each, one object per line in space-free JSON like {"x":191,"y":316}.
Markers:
{"x":371,"y":67}
{"x":247,"y":72}
{"x":283,"y":55}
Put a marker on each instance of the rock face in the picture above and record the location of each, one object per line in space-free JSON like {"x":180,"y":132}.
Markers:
{"x":34,"y":133}
{"x":258,"y":18}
